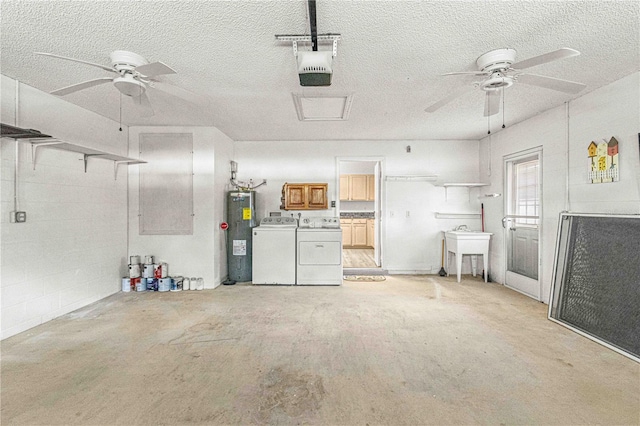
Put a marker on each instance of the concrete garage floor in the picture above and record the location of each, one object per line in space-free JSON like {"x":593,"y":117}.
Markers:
{"x":408,"y":350}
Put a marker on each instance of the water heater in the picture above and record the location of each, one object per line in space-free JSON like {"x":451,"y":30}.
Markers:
{"x":241,"y":218}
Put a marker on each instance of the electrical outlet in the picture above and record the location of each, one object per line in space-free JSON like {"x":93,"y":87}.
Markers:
{"x":21,"y":217}
{"x":333,"y":204}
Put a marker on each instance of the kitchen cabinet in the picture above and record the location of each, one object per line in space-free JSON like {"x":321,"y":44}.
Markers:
{"x":345,"y":225}
{"x":359,"y":233}
{"x":357,"y":188}
{"x":371,"y":233}
{"x":371,"y":188}
{"x":355,"y":232}
{"x":344,"y":187}
{"x":304,"y":196}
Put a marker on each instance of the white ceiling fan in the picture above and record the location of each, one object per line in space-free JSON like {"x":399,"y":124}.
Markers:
{"x":500,"y":72}
{"x":134,"y":76}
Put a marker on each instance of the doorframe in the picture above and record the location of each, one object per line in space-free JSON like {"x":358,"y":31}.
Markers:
{"x":535,"y":151}
{"x":380,"y":201}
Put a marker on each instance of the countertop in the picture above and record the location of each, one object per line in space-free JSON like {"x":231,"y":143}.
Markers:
{"x":357,"y":215}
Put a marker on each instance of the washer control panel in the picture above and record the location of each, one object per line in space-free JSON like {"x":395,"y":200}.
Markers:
{"x":273,"y":222}
{"x":320,"y":222}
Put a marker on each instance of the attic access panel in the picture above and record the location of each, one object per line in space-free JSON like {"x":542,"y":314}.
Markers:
{"x":322,"y":107}
{"x":596,"y":287}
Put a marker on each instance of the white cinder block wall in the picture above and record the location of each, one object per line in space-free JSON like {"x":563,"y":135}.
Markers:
{"x":411,"y":242}
{"x":71,"y":251}
{"x":203,"y":253}
{"x":564,"y":134}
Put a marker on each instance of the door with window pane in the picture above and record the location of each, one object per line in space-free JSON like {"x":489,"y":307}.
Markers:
{"x":522,"y":221}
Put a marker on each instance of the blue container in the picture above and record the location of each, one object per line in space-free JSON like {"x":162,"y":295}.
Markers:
{"x":164,"y":284}
{"x":142,"y":285}
{"x":152,"y":284}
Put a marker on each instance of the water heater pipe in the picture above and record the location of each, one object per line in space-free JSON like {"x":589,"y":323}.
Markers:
{"x":17,"y":148}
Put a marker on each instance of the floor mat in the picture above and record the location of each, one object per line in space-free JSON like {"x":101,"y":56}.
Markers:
{"x":364,"y":278}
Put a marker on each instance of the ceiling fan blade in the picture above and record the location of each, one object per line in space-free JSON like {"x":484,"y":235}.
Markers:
{"x":492,"y":102}
{"x":563,"y":53}
{"x":155,"y":68}
{"x":142,"y":101}
{"x":467,"y":73}
{"x":187,"y":95}
{"x":80,"y":86}
{"x":77,"y":60}
{"x":456,"y":93}
{"x":551,"y":83}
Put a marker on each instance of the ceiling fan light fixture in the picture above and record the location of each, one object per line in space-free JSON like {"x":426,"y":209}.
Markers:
{"x":129,"y":86}
{"x":496,"y":82}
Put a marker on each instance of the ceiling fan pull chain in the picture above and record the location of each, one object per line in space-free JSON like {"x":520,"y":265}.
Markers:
{"x":488,"y":124}
{"x":503,"y":95}
{"x":120,"y":111}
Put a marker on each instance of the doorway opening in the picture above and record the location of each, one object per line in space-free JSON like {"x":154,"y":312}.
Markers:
{"x":523,"y":207}
{"x":359,"y":207}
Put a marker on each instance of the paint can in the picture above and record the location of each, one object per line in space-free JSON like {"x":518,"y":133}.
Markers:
{"x":135,"y":281}
{"x":148,"y":270}
{"x":200,"y":284}
{"x":141,"y":285}
{"x":176,"y":283}
{"x":134,"y":270}
{"x":161,"y":270}
{"x":193,"y":283}
{"x":152,"y":284}
{"x":126,"y":284}
{"x":186,"y":283}
{"x":148,"y":259}
{"x":164,"y":284}
{"x":134,"y":259}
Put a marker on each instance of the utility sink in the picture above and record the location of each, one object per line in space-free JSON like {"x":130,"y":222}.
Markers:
{"x":460,"y":243}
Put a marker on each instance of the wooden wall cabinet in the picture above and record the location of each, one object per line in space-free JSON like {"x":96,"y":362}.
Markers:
{"x":371,"y":188}
{"x":304,"y":196}
{"x":344,"y":187}
{"x":357,"y":188}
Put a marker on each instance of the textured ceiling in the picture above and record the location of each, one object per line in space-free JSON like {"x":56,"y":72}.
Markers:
{"x":391,"y":57}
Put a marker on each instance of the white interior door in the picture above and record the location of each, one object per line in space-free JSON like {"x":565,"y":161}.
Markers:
{"x":523,"y":206}
{"x":378,"y":215}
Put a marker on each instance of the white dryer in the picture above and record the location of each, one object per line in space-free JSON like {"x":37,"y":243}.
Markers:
{"x":274,"y":251}
{"x":319,"y":252}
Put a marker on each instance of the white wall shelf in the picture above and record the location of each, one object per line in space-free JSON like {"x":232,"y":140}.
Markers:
{"x":118,"y":160}
{"x":443,"y":215}
{"x":467,"y":185}
{"x":411,"y":178}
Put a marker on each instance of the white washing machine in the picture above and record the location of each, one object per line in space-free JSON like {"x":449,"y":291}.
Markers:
{"x":319,"y":257}
{"x":274,"y":251}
